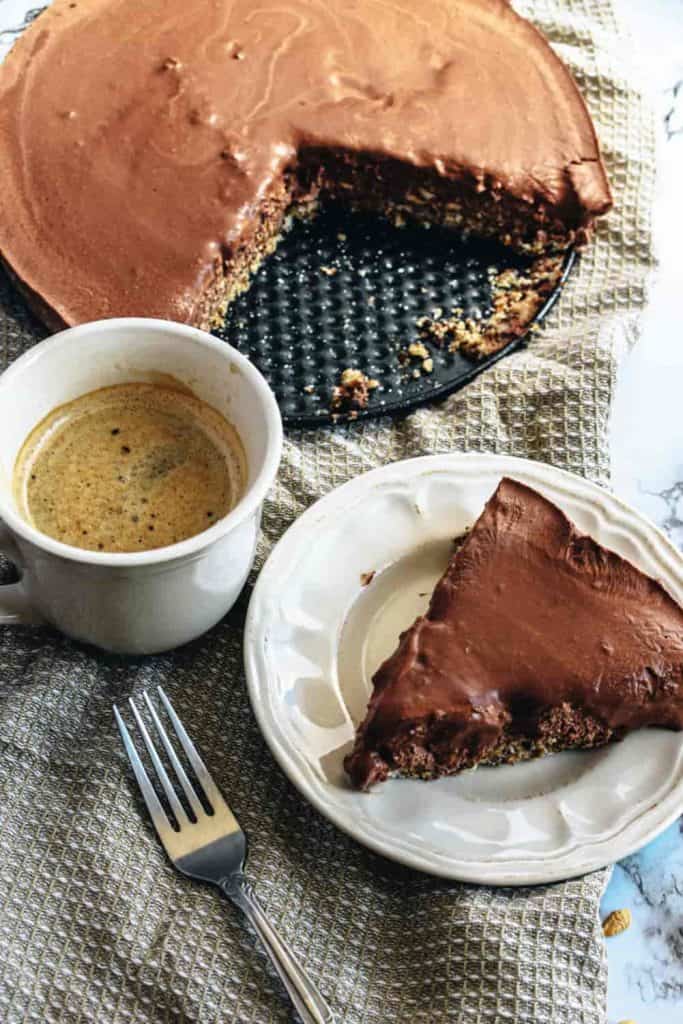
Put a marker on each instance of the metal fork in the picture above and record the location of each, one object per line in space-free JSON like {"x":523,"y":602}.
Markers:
{"x":213,"y":847}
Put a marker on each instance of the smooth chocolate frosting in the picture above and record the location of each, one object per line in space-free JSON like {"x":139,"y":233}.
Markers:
{"x":138,"y":139}
{"x":529,"y":616}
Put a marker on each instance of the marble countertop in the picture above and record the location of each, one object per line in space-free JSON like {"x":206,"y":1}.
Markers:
{"x":646,"y":962}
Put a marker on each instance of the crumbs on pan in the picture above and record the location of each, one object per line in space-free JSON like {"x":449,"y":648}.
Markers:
{"x":517,"y":297}
{"x":353,"y":391}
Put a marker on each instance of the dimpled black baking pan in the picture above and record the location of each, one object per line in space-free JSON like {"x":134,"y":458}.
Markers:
{"x":345,"y":291}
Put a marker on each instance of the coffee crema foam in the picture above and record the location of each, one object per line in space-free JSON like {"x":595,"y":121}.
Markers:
{"x":129,"y":468}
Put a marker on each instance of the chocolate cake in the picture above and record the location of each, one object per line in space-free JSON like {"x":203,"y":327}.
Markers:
{"x":537,"y":639}
{"x":150,"y":154}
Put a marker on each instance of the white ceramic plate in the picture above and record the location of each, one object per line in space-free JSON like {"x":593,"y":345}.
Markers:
{"x":315,"y":636}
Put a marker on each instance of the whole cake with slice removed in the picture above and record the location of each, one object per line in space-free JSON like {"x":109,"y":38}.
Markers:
{"x":151,"y":153}
{"x":537,"y":639}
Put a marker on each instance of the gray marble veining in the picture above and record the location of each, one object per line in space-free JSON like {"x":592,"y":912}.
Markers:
{"x":646,"y":962}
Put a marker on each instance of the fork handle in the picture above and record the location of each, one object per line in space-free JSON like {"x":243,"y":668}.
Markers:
{"x":306,"y":998}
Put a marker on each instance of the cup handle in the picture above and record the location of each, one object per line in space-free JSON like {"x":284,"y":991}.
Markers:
{"x":15,"y":608}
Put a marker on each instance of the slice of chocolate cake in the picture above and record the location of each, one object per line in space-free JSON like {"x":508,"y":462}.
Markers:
{"x":150,"y":154}
{"x":537,"y":639}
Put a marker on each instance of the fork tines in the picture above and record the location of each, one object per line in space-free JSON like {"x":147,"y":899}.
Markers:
{"x":167,"y":829}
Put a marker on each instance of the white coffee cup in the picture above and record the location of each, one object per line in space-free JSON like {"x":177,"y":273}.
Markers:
{"x":148,"y":601}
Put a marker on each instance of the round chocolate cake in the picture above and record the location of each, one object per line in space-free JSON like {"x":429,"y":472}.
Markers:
{"x":151,"y":153}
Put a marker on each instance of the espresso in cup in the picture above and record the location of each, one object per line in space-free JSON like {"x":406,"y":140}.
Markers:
{"x":129,"y":468}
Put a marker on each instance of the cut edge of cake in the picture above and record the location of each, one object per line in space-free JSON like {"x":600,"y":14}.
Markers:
{"x":405,"y":194}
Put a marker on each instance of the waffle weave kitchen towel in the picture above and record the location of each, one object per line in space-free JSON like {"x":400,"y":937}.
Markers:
{"x":95,"y":925}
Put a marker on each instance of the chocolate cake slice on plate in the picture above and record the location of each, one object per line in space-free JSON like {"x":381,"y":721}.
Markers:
{"x":537,"y":639}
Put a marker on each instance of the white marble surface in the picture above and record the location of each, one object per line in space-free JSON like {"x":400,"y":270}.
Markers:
{"x":646,"y":962}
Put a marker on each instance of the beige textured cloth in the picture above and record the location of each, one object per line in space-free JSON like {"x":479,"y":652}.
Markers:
{"x":95,"y":926}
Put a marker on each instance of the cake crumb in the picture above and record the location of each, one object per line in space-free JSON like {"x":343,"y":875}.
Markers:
{"x":330,"y":271}
{"x":353,"y":392}
{"x":417,"y":350}
{"x":366,"y":578}
{"x":517,"y":296}
{"x":616,"y":922}
{"x":341,"y":236}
